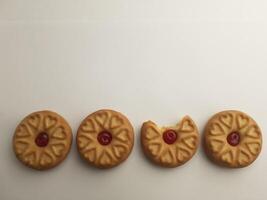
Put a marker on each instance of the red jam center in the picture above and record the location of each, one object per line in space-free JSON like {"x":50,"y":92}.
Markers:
{"x":233,"y":138}
{"x":169,"y":136}
{"x":104,"y":137}
{"x":42,"y":139}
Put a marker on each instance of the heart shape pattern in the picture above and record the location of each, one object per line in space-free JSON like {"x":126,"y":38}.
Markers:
{"x":42,"y":139}
{"x":182,"y":154}
{"x":34,"y":121}
{"x":155,"y":148}
{"x":253,"y":132}
{"x":151,"y":133}
{"x":30,"y":158}
{"x":243,"y":157}
{"x":23,"y":131}
{"x":123,"y":135}
{"x":21,"y":147}
{"x":104,"y":159}
{"x":115,"y":122}
{"x":83,"y":142}
{"x":167,"y":157}
{"x":119,"y":150}
{"x":101,"y":118}
{"x":187,"y":126}
{"x":88,"y":126}
{"x":46,"y":159}
{"x":254,"y":147}
{"x":190,"y":142}
{"x":50,"y":121}
{"x":59,"y":133}
{"x":216,"y":145}
{"x":174,"y":151}
{"x":91,"y":155}
{"x":227,"y":120}
{"x":242,"y":121}
{"x":233,"y":152}
{"x":227,"y":157}
{"x":58,"y":149}
{"x":110,"y":134}
{"x":216,"y":129}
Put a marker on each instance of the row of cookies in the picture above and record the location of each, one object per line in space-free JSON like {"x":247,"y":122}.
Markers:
{"x":105,"y":139}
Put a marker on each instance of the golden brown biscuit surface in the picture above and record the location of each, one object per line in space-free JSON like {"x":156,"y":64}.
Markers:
{"x":42,"y":140}
{"x":170,"y":146}
{"x":105,"y":138}
{"x":232,"y":139}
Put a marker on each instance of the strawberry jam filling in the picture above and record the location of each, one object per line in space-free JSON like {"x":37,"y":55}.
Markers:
{"x":233,"y":138}
{"x":169,"y":136}
{"x":42,"y":139}
{"x":104,"y":137}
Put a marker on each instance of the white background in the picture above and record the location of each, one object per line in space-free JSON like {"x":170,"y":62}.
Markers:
{"x":151,"y":59}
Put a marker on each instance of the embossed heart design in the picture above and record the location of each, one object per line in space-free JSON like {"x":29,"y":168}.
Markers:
{"x":151,"y":133}
{"x":242,"y":121}
{"x":216,"y":145}
{"x":123,"y":135}
{"x":253,"y":132}
{"x":115,"y":122}
{"x":101,"y":118}
{"x":166,"y":157}
{"x":227,"y":157}
{"x":104,"y":159}
{"x":21,"y":147}
{"x":91,"y":155}
{"x":227,"y":120}
{"x":58,"y":149}
{"x":253,"y":147}
{"x":182,"y":154}
{"x":23,"y":131}
{"x":119,"y":150}
{"x":45,"y":159}
{"x":187,"y":126}
{"x":216,"y":129}
{"x":30,"y":158}
{"x":59,"y":133}
{"x":155,"y":148}
{"x":34,"y":121}
{"x":83,"y":142}
{"x":88,"y":126}
{"x":50,"y":121}
{"x":243,"y":158}
{"x":190,"y":142}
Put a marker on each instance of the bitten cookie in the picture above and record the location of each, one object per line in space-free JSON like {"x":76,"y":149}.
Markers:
{"x":170,"y":146}
{"x":232,"y":139}
{"x":42,"y":140}
{"x":105,"y":138}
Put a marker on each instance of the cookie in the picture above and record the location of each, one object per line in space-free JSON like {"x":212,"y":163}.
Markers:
{"x":105,"y":138}
{"x":232,"y":139}
{"x":170,"y":146}
{"x":42,"y":140}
